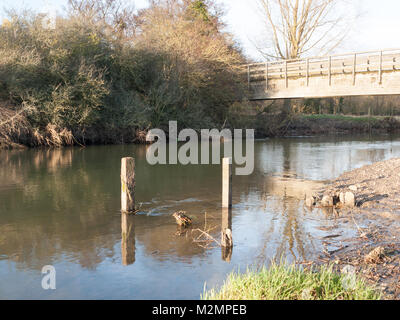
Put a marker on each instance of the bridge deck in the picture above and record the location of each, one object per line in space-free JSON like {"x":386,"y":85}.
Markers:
{"x":361,"y":73}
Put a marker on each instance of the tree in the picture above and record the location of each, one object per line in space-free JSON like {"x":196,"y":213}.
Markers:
{"x":298,"y":27}
{"x":116,"y":15}
{"x":200,"y":64}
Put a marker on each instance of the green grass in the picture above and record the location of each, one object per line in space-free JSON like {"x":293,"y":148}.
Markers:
{"x":341,"y":118}
{"x":283,"y":282}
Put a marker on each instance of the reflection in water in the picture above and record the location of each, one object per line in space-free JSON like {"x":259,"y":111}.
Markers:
{"x":128,"y":239}
{"x":61,"y":207}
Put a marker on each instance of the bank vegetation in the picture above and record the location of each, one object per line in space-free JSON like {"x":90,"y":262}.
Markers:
{"x":105,"y":73}
{"x":283,"y":282}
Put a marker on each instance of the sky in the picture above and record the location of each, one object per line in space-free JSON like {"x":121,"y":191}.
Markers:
{"x":377,"y":28}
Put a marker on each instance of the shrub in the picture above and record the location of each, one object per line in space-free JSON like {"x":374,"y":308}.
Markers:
{"x":92,"y":78}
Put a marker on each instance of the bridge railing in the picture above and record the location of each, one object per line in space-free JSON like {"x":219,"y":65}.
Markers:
{"x":349,"y":63}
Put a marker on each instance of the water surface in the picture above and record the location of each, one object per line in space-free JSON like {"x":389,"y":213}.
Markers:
{"x":61,"y":208}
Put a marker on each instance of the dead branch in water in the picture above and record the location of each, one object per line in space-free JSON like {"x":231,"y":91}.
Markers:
{"x":205,"y":238}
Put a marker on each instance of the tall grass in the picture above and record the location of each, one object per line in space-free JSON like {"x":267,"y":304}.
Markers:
{"x":282,"y":282}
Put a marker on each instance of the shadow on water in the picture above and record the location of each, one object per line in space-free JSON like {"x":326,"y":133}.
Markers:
{"x":61,"y":207}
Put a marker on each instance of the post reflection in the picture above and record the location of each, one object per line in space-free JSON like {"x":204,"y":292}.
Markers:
{"x":128,"y":239}
{"x":226,"y":235}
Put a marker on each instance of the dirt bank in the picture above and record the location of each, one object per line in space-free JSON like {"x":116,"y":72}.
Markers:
{"x":340,"y":124}
{"x":374,"y":253}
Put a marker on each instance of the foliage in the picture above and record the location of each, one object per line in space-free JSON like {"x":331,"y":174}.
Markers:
{"x":103,"y":75}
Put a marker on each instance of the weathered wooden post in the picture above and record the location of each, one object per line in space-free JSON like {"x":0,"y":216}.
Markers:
{"x":226,"y":234}
{"x":227,"y":183}
{"x":354,"y":68}
{"x":248,"y":77}
{"x":380,"y":66}
{"x":226,"y":227}
{"x":330,"y":70}
{"x":128,"y":185}
{"x":286,"y":74}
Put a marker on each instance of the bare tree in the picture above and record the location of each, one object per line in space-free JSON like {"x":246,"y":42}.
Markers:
{"x":297,"y":27}
{"x":118,"y":15}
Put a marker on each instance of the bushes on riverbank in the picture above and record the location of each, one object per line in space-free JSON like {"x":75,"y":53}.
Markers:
{"x":105,"y":78}
{"x":281,"y":282}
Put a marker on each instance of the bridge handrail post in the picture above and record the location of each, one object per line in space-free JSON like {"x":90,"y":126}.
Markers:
{"x":286,"y":73}
{"x":330,"y":70}
{"x":248,"y":76}
{"x":380,"y":66}
{"x":354,"y":69}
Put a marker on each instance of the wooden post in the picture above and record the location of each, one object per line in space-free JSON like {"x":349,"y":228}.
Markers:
{"x":308,"y":72}
{"x":330,"y":70}
{"x":227,"y":183}
{"x":266,"y":76}
{"x":286,"y":74}
{"x":226,"y":234}
{"x":128,"y":185}
{"x":354,"y":69}
{"x":380,"y":66}
{"x":248,"y":76}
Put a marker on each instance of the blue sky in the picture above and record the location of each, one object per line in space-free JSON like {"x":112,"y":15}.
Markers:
{"x":378,"y":27}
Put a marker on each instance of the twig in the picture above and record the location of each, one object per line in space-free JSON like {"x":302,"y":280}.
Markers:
{"x":207,"y":235}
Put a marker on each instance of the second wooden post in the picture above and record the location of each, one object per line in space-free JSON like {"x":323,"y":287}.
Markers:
{"x":227,"y":183}
{"x":128,"y":185}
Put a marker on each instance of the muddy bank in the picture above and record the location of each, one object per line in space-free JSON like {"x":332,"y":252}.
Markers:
{"x":307,"y":125}
{"x":374,"y":253}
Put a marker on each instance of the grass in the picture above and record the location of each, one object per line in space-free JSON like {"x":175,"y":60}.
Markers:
{"x":365,"y":119}
{"x":283,"y":282}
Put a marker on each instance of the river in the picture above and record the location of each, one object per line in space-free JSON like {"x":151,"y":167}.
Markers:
{"x":61,"y":207}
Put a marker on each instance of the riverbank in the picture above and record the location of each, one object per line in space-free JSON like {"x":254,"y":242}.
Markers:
{"x":374,"y":252}
{"x":266,"y":126}
{"x":362,"y":246}
{"x":308,"y":125}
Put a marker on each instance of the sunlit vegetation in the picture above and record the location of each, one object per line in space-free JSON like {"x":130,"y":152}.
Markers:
{"x":282,"y":282}
{"x":105,"y":73}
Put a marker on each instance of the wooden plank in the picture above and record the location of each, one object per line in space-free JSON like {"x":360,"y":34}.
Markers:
{"x":330,"y":70}
{"x":227,"y":183}
{"x":128,"y":185}
{"x":286,"y":74}
{"x":380,"y":67}
{"x":354,"y":69}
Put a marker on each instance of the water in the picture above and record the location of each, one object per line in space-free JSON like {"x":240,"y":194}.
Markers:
{"x":61,"y":208}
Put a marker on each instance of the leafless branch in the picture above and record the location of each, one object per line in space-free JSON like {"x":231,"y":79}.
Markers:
{"x":297,"y":27}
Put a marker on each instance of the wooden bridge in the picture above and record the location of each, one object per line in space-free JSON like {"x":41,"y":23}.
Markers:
{"x":353,"y":74}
